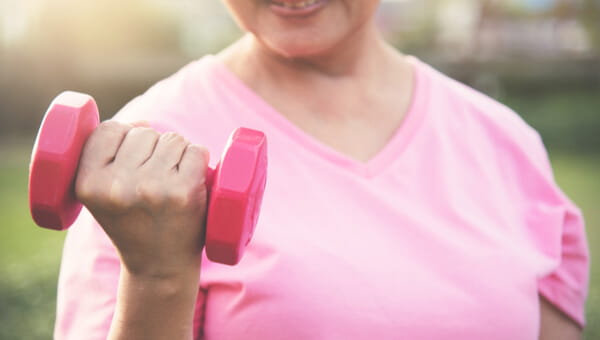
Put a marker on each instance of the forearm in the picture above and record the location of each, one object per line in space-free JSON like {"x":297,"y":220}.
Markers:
{"x":154,"y":308}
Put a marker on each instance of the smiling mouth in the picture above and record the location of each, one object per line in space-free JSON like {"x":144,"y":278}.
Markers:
{"x":295,"y":4}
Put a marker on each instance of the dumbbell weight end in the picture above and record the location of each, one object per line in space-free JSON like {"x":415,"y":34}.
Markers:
{"x":70,"y":119}
{"x":235,"y":187}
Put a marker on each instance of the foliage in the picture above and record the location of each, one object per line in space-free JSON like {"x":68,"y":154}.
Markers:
{"x":29,"y":256}
{"x":568,"y":118}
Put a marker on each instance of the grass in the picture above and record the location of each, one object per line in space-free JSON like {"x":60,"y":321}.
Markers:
{"x":568,"y":118}
{"x":30,"y":256}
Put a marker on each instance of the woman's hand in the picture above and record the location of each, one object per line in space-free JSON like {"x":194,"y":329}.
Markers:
{"x":147,"y":191}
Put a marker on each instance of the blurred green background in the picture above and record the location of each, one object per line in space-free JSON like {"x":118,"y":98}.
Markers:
{"x":540,"y":57}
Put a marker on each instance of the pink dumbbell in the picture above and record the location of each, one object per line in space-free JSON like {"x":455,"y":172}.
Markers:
{"x":235,"y":186}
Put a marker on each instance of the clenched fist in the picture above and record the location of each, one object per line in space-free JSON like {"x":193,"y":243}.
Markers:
{"x":147,"y":190}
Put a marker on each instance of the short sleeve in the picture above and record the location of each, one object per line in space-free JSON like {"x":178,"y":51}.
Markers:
{"x":558,"y":228}
{"x":87,"y":286}
{"x":566,"y":287}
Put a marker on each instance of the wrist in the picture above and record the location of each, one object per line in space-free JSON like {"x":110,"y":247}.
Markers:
{"x":168,"y":267}
{"x":163,"y":284}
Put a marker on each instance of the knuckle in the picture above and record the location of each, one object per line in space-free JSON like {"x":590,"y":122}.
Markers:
{"x":94,"y":190}
{"x":84,"y":188}
{"x":180,"y":197}
{"x":198,"y":153}
{"x":112,"y":126}
{"x":142,"y":130}
{"x":176,"y":202}
{"x":184,"y":197}
{"x":173,"y":138}
{"x":169,"y":135}
{"x":150,"y":193}
{"x":109,"y":129}
{"x":114,"y":194}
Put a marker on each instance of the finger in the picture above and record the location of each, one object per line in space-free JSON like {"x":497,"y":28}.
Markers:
{"x":169,"y":149}
{"x":137,"y":147}
{"x":194,"y":161}
{"x":141,"y":123}
{"x":102,"y":145}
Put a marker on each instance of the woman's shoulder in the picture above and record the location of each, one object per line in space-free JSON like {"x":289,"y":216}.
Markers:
{"x":471,"y":111}
{"x":172,"y":98}
{"x":195,"y":102}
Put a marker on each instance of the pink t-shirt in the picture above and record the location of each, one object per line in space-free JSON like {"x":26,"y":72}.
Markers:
{"x":449,"y":232}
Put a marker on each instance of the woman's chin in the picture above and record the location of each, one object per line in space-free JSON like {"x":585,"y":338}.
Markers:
{"x":297,"y":53}
{"x":296,"y":48}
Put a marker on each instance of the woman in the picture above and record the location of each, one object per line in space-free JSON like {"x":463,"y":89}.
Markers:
{"x":399,"y":203}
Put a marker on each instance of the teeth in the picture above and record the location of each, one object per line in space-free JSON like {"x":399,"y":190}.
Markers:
{"x":297,"y":5}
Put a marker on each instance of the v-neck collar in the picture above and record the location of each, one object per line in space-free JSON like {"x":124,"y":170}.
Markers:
{"x":371,"y":168}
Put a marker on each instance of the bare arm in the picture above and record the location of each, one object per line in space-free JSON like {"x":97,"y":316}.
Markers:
{"x":555,"y":325}
{"x":158,"y":308}
{"x":147,"y":191}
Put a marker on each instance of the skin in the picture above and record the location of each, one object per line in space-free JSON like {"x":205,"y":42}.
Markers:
{"x":145,"y":190}
{"x":337,"y":53}
{"x":555,"y":325}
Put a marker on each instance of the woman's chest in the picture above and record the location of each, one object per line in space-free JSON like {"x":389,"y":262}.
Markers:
{"x":333,"y":264}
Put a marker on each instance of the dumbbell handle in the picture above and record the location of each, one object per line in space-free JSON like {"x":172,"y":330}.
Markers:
{"x":235,"y":186}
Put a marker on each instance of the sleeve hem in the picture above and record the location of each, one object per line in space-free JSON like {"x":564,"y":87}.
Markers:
{"x":570,"y":303}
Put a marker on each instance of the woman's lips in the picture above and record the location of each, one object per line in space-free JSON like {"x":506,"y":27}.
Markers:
{"x":290,"y":8}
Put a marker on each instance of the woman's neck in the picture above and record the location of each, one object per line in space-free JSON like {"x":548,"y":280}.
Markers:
{"x":358,"y":58}
{"x":351,"y":98}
